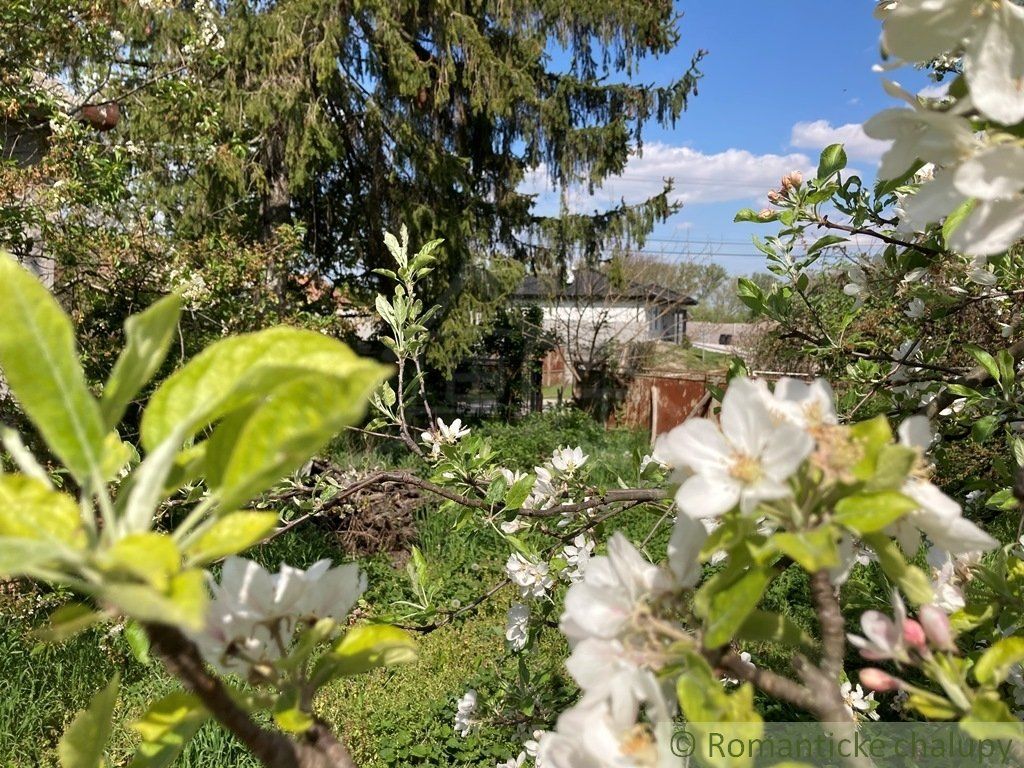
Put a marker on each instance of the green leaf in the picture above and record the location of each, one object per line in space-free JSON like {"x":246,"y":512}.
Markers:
{"x":813,"y":550}
{"x":242,"y":370}
{"x":910,"y":579}
{"x":166,"y":728}
{"x":747,"y":214}
{"x":824,"y":242}
{"x":983,"y":428}
{"x":150,"y":557}
{"x":366,"y":647}
{"x":956,"y":217}
{"x":832,"y":160}
{"x":871,"y":437}
{"x":995,"y":664}
{"x":931,"y":706}
{"x":294,"y":421}
{"x":230,"y":534}
{"x":82,"y":744}
{"x":138,"y":501}
{"x":892,"y":465}
{"x":985,"y":360}
{"x":183,"y":603}
{"x":66,"y":622}
{"x":289,"y":715}
{"x":147,"y":338}
{"x":990,"y":719}
{"x":519,"y":492}
{"x":28,"y":557}
{"x":40,"y":362}
{"x":766,"y":627}
{"x":138,"y":642}
{"x":32,"y":510}
{"x":728,"y":608}
{"x":872,"y":512}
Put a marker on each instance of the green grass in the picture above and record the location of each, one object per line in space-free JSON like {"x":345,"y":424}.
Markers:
{"x":677,"y":357}
{"x":392,"y":717}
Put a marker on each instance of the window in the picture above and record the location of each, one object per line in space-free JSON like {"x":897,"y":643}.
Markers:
{"x":725,"y":339}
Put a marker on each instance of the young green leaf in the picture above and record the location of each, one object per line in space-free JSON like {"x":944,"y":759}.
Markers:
{"x":230,"y":534}
{"x":30,"y":509}
{"x":832,"y":160}
{"x":147,"y":338}
{"x":40,"y":362}
{"x":166,"y":728}
{"x":365,"y":647}
{"x":995,"y":664}
{"x":83,"y":742}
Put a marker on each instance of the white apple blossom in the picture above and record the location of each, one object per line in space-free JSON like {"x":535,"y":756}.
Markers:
{"x":464,"y":711}
{"x":444,"y":434}
{"x":851,"y":553}
{"x":514,"y":525}
{"x":857,"y":703}
{"x":577,"y":556}
{"x":591,"y":735}
{"x":604,"y":603}
{"x":253,"y":613}
{"x":937,"y":516}
{"x":919,"y":134}
{"x":688,"y":536}
{"x":532,"y":578}
{"x":916,"y":309}
{"x":650,"y":459}
{"x":883,"y":637}
{"x":613,"y":671}
{"x":806,"y":404}
{"x":517,"y":626}
{"x":945,"y":583}
{"x":990,"y":34}
{"x":568,"y":460}
{"x":747,"y":660}
{"x":514,"y":762}
{"x":532,"y":745}
{"x":745,"y":462}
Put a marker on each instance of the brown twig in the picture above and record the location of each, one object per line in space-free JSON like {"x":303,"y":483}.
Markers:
{"x":319,"y":747}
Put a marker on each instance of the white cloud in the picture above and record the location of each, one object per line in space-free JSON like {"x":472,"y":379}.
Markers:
{"x":721,"y":177}
{"x":936,"y":91}
{"x":819,"y":134}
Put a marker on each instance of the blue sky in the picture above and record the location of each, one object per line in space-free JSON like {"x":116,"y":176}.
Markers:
{"x":781,"y":81}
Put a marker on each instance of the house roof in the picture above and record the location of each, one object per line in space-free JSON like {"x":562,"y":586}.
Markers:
{"x":591,"y":284}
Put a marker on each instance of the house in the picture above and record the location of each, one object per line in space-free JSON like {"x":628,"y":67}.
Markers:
{"x":592,"y":318}
{"x":727,"y":338}
{"x":592,"y":304}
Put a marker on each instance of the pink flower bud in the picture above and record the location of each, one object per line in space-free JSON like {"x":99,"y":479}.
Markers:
{"x":936,"y":627}
{"x":774,"y":197}
{"x":792,"y":181}
{"x":913,"y":634}
{"x":875,"y":679}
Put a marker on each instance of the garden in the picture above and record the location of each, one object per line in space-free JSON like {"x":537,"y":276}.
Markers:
{"x":319,"y":435}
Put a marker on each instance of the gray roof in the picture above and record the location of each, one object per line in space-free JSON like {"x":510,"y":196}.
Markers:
{"x":590,"y":284}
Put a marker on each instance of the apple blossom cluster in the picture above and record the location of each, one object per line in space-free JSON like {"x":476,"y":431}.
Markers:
{"x":254,"y":614}
{"x":764,"y":437}
{"x":977,"y":173}
{"x":442,"y":435}
{"x":618,"y":647}
{"x":464,"y":711}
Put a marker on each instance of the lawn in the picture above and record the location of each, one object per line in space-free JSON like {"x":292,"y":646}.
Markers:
{"x":392,"y":717}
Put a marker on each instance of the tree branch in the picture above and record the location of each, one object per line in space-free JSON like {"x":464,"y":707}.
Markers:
{"x":319,"y":748}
